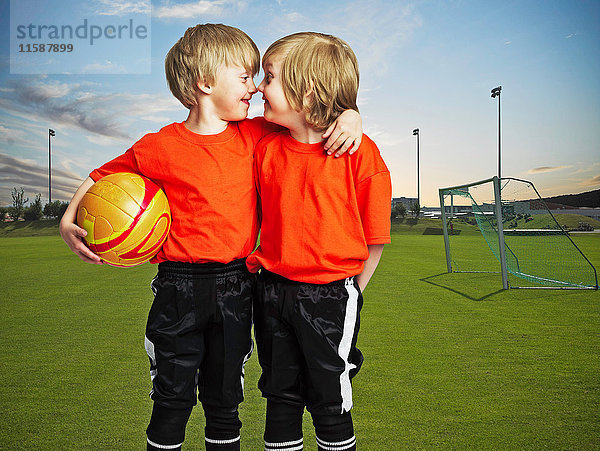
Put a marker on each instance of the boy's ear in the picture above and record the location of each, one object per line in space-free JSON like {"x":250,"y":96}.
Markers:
{"x":204,"y":87}
{"x":308,"y":97}
{"x":310,"y":90}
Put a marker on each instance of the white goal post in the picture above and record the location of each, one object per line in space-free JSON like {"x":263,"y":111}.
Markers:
{"x":531,"y":249}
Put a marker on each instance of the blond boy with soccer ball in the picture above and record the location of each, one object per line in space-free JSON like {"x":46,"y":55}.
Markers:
{"x":198,"y":332}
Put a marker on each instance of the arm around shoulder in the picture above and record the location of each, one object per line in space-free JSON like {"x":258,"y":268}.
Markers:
{"x":71,"y":233}
{"x":344,"y":134}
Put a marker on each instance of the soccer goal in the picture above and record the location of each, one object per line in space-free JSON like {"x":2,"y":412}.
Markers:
{"x":529,"y":248}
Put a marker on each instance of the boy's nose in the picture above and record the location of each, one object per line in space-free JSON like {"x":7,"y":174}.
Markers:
{"x":252,"y":88}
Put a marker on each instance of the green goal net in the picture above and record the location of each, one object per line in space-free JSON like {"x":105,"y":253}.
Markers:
{"x":528,"y":245}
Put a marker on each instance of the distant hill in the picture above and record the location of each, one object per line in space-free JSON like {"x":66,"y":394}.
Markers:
{"x":587,"y":199}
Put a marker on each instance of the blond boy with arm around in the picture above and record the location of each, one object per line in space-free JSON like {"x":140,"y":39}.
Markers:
{"x":319,"y":248}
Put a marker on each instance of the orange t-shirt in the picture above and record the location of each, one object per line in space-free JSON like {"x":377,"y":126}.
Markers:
{"x":319,"y":213}
{"x":208,"y":180}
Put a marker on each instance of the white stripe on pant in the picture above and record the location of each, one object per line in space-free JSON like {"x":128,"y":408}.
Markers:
{"x":346,"y":344}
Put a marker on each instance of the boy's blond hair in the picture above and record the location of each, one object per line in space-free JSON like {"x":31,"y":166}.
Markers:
{"x":322,"y":65}
{"x":199,"y":54}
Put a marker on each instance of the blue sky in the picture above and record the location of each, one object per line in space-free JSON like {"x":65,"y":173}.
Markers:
{"x":426,"y":64}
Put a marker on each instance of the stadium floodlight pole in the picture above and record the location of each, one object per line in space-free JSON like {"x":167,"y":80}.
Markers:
{"x":496,"y":93}
{"x":500,"y":231}
{"x":416,"y":133}
{"x":51,"y":133}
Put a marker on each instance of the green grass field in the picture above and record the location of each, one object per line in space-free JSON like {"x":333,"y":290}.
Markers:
{"x":452,"y":361}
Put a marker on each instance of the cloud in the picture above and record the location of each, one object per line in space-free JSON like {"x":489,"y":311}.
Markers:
{"x":543,"y":169}
{"x":384,"y":138}
{"x":61,"y":104}
{"x":157,"y":119}
{"x":11,"y":136}
{"x":191,"y":10}
{"x":20,"y":134}
{"x":594,"y":181}
{"x":364,"y":95}
{"x":294,"y":17}
{"x":374,"y":30}
{"x":107,"y":67}
{"x":586,"y":167}
{"x":17,"y":172}
{"x":12,"y":165}
{"x":103,"y":141}
{"x":121,"y":8}
{"x":77,"y":105}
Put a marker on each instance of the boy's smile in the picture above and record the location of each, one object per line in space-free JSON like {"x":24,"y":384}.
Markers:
{"x":232,"y":92}
{"x":277,"y":107}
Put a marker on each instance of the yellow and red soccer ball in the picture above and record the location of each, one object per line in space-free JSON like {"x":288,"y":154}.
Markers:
{"x":127,"y":219}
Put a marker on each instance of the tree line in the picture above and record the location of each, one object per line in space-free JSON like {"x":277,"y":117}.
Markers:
{"x":399,"y":210}
{"x":34,"y":211}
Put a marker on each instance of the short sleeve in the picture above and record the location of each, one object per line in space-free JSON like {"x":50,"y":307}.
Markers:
{"x":373,"y":193}
{"x":374,"y":196}
{"x":123,"y":163}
